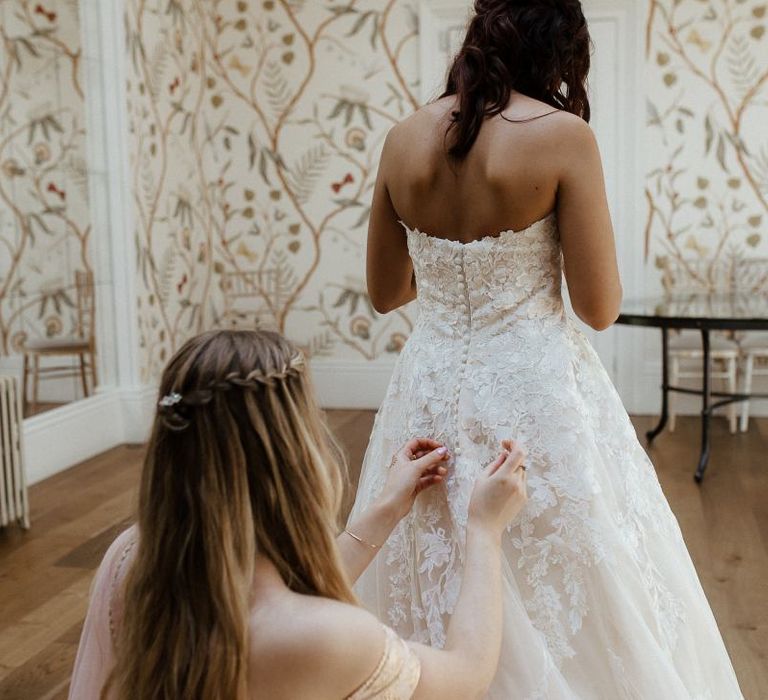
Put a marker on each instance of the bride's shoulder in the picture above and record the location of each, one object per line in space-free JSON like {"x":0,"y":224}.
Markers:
{"x":564,"y":136}
{"x":567,"y":127}
{"x":336,"y":644}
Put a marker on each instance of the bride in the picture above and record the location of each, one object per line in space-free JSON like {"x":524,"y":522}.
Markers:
{"x":484,"y":198}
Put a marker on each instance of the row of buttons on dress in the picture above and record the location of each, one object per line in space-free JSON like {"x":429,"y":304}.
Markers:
{"x":465,"y":307}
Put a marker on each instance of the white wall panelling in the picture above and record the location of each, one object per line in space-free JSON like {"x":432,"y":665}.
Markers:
{"x":441,"y":25}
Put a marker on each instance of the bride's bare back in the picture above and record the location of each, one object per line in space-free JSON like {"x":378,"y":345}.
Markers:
{"x":527,"y":162}
{"x":508,"y":181}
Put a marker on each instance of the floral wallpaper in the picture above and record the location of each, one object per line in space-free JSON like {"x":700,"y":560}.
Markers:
{"x":707,"y":188}
{"x":255,"y":132}
{"x":256,"y":127}
{"x":44,"y":217}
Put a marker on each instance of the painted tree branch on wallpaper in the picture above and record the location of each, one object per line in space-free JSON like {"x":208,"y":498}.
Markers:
{"x":708,"y":192}
{"x":256,"y":131}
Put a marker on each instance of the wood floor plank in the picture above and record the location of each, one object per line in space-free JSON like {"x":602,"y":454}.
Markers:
{"x":30,"y":636}
{"x":89,"y":553}
{"x":45,"y":573}
{"x":40,"y":555}
{"x":44,"y":675}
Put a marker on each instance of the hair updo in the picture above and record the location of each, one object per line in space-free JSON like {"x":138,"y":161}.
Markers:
{"x":540,"y":48}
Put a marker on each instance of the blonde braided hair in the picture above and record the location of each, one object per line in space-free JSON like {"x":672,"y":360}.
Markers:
{"x":174,"y":407}
{"x":256,"y":475}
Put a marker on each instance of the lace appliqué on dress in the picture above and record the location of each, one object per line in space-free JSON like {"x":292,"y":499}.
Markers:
{"x":596,"y":555}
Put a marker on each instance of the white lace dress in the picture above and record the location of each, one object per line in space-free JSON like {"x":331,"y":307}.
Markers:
{"x":601,"y":599}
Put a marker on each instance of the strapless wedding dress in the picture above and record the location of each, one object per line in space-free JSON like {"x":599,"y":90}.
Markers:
{"x":602,"y":601}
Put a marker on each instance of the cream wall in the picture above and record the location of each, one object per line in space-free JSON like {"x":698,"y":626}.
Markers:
{"x":255,"y":130}
{"x":707,"y":141}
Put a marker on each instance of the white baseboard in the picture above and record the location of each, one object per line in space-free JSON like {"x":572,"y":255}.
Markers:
{"x":138,"y":406}
{"x":360,"y":385}
{"x":647,"y":399}
{"x":60,"y":438}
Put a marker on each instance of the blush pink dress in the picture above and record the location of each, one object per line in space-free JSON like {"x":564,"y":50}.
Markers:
{"x":395,"y":677}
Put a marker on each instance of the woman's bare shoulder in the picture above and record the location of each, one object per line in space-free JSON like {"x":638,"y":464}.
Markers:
{"x":337,"y":645}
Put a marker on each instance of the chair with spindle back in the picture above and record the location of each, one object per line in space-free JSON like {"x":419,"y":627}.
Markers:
{"x":697,"y":276}
{"x":244,"y":292}
{"x":752,"y":278}
{"x":81,"y":345}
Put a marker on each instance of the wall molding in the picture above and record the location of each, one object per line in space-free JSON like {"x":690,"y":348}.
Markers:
{"x":437,"y":19}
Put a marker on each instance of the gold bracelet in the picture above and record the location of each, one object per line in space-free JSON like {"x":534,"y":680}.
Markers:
{"x":362,"y":541}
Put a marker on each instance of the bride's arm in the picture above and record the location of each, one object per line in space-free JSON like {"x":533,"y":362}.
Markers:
{"x":586,"y":232}
{"x":418,"y":465}
{"x":389,"y":269}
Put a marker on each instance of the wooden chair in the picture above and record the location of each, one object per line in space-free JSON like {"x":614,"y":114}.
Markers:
{"x":243,"y":298}
{"x":82,"y":345}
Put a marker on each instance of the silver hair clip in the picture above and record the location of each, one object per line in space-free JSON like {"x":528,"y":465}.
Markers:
{"x":170,"y":400}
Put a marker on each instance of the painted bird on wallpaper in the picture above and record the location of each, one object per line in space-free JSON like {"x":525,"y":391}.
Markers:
{"x":697,"y":40}
{"x":55,"y":190}
{"x":49,"y":15}
{"x":348,"y":180}
{"x":242,"y":68}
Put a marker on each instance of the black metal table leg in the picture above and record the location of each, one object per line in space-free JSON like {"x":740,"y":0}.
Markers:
{"x":651,"y":434}
{"x":705,"y":407}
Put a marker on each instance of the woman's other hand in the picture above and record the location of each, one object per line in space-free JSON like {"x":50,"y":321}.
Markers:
{"x":500,"y":490}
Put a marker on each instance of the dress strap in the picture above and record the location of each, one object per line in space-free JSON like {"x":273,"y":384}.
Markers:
{"x":117,"y":577}
{"x":397,"y":673}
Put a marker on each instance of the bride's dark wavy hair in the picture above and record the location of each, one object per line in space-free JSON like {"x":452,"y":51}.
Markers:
{"x":540,"y":48}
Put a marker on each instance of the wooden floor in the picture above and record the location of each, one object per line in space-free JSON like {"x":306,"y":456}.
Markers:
{"x":45,"y":573}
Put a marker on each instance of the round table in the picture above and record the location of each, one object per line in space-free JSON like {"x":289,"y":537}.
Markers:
{"x":706,"y":313}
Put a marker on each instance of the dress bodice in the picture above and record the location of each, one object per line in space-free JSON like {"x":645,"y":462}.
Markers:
{"x":490,"y":283}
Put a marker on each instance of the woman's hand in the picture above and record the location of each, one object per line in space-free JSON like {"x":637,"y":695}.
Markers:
{"x":419,"y":464}
{"x":500,"y":490}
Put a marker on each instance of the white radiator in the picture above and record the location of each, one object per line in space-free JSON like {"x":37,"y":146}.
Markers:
{"x":14,"y":501}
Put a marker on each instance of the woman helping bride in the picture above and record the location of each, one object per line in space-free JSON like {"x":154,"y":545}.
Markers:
{"x":601,"y":597}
